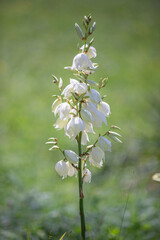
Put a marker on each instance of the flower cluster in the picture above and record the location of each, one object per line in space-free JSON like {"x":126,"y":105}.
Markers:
{"x":79,"y":109}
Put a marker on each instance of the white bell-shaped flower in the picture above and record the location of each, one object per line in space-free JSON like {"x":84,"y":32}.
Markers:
{"x":71,"y":156}
{"x":75,"y":87}
{"x":61,"y":168}
{"x":74,"y":126}
{"x":71,"y":170}
{"x":89,"y":127}
{"x":104,"y":108}
{"x":97,"y":115}
{"x":56,"y":103}
{"x":61,"y":123}
{"x":86,"y":115}
{"x":96,"y":157}
{"x":87,"y":175}
{"x":63,"y":110}
{"x":78,"y":87}
{"x":82,"y":63}
{"x":91,"y":53}
{"x":104,"y":144}
{"x":94,"y":96}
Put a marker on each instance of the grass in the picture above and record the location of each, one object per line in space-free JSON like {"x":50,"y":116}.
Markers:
{"x":38,"y":39}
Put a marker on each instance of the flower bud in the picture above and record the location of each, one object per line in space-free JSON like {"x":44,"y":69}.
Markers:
{"x":79,"y":31}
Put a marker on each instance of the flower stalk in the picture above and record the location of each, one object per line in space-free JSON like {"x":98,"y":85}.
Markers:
{"x":81,"y":195}
{"x":80,"y":108}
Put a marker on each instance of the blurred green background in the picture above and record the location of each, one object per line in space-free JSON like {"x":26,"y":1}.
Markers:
{"x":38,"y":39}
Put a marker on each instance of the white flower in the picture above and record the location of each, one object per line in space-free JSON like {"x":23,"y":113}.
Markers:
{"x":71,"y":156}
{"x":96,"y":157}
{"x":89,"y":127}
{"x":74,"y":126}
{"x":104,"y":144}
{"x":94,"y":96}
{"x":74,"y":86}
{"x":56,"y":103}
{"x":61,"y":123}
{"x":86,"y":115}
{"x":63,"y":110}
{"x":67,"y":91}
{"x":91,"y":53}
{"x":61,"y":168}
{"x":87,"y":175}
{"x":82,"y":63}
{"x":85,"y":138}
{"x":71,"y":170}
{"x":98,"y":117}
{"x":104,"y":108}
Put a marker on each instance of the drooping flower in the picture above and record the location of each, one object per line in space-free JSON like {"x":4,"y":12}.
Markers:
{"x":87,"y":175}
{"x":62,"y":110}
{"x":71,"y":156}
{"x":61,"y":123}
{"x":98,"y":117}
{"x":104,"y":144}
{"x":91,"y":52}
{"x":96,"y":157}
{"x":82,"y":63}
{"x":75,"y":87}
{"x":94,"y":96}
{"x":62,"y":168}
{"x":86,"y":115}
{"x":74,"y":126}
{"x":71,"y":170}
{"x":104,"y":108}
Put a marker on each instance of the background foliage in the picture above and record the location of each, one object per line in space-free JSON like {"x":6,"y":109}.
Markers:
{"x":37,"y":39}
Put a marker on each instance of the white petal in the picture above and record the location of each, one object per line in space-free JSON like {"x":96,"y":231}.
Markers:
{"x":71,"y":169}
{"x":67,"y":91}
{"x":86,"y":115}
{"x":63,"y":110}
{"x":91,"y":53}
{"x":61,"y":168}
{"x":104,"y":144}
{"x":94,"y":96}
{"x":87,"y":175}
{"x":56,"y":103}
{"x":60,"y":123}
{"x":71,"y":156}
{"x":104,"y":108}
{"x":89,"y":127}
{"x":85,"y":138}
{"x":81,"y":63}
{"x":96,"y":157}
{"x":74,"y":126}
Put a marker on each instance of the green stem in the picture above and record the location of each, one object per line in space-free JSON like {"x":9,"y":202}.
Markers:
{"x":81,"y":196}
